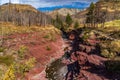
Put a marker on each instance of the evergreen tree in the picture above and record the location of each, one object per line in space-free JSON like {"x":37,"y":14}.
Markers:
{"x":76,"y":25}
{"x":68,"y":20}
{"x":58,"y":22}
{"x":90,"y":15}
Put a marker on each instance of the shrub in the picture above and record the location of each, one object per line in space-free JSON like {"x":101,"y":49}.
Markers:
{"x":23,"y":68}
{"x":50,"y":36}
{"x":105,"y":53}
{"x":46,"y":36}
{"x":85,"y":37}
{"x":8,"y":60}
{"x":76,"y":25}
{"x":92,"y":35}
{"x":115,"y":46}
{"x":110,"y":49}
{"x":3,"y":69}
{"x":2,"y":49}
{"x":108,"y":54}
{"x":21,"y":51}
{"x":48,"y":48}
{"x":10,"y":74}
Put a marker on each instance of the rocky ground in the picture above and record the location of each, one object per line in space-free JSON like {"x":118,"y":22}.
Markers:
{"x":92,"y":65}
{"x":82,"y":64}
{"x":39,"y":46}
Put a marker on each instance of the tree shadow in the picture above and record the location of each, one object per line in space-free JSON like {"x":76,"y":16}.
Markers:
{"x":73,"y":70}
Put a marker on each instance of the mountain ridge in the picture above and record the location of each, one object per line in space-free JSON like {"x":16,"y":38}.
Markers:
{"x":62,"y":12}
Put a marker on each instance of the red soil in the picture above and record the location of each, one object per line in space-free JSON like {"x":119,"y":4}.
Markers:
{"x":37,"y":46}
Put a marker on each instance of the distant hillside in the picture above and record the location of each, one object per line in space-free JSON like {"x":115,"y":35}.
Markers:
{"x":111,"y":8}
{"x":22,"y":14}
{"x":63,"y":12}
{"x":80,"y":16}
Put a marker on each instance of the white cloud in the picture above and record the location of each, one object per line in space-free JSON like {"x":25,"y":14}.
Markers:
{"x":15,"y":1}
{"x":46,"y":3}
{"x":6,"y":1}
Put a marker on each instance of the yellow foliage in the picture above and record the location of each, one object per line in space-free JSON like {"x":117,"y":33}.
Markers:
{"x":10,"y":74}
{"x":115,"y":46}
{"x":30,"y":63}
{"x":22,"y":50}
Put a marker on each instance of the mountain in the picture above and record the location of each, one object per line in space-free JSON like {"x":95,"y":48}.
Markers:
{"x":23,"y":15}
{"x":62,"y":12}
{"x":74,"y":5}
{"x":80,"y":16}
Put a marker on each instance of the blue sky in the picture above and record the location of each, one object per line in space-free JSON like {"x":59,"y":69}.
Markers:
{"x":53,"y":4}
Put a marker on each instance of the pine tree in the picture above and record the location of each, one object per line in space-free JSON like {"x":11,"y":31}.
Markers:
{"x":76,"y":25}
{"x":58,"y":22}
{"x":90,"y":15}
{"x":68,"y":20}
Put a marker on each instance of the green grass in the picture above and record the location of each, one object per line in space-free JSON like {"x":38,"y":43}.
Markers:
{"x":8,"y":60}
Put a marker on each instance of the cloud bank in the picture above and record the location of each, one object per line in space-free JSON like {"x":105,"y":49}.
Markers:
{"x":44,"y":4}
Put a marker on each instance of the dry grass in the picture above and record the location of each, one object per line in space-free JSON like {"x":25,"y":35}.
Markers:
{"x":19,"y":7}
{"x":115,"y":23}
{"x":111,"y":6}
{"x":110,"y":26}
{"x":8,"y":28}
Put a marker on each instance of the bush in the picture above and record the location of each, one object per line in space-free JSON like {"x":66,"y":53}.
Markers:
{"x":3,"y":69}
{"x":107,"y":54}
{"x":110,"y":49}
{"x":23,"y":68}
{"x":76,"y":25}
{"x":46,"y":36}
{"x":2,"y":49}
{"x":85,"y":37}
{"x":115,"y":46}
{"x":8,"y":60}
{"x":48,"y":48}
{"x":21,"y":51}
{"x":50,"y":36}
{"x":10,"y":74}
